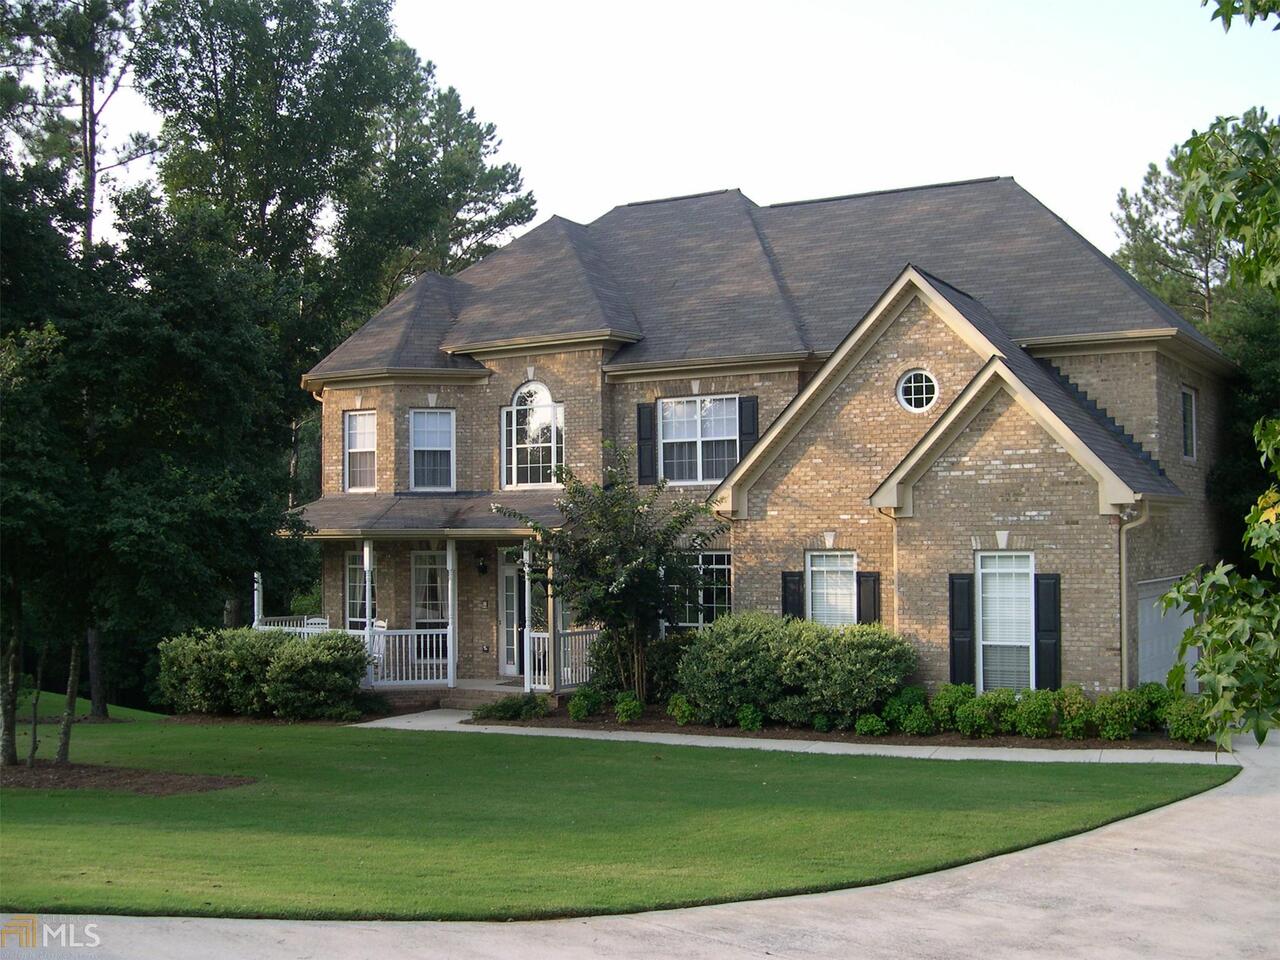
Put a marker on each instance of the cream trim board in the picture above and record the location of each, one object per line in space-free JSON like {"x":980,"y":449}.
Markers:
{"x":896,"y":491}
{"x":731,"y":495}
{"x":388,"y":376}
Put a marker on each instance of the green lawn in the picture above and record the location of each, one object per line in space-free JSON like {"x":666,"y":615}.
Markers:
{"x":351,"y":823}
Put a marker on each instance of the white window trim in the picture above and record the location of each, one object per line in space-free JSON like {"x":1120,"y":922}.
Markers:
{"x":736,"y":438}
{"x":347,"y":451}
{"x":977,"y":612}
{"x":507,"y":480}
{"x":808,"y":578}
{"x":902,"y":382}
{"x":414,"y":559}
{"x":453,"y":451}
{"x":1188,"y":391}
{"x":358,"y":556}
{"x":702,"y":622}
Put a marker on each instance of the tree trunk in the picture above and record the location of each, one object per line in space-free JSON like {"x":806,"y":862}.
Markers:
{"x":9,"y":685}
{"x":97,"y":684}
{"x":69,"y":714}
{"x":231,"y":612}
{"x":35,"y":704}
{"x":294,"y":444}
{"x":89,"y":147}
{"x":637,"y":648}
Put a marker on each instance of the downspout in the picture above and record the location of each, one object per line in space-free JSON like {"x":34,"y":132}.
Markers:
{"x":1144,"y":514}
{"x":893,"y":523}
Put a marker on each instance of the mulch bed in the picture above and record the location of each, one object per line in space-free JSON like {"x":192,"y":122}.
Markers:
{"x":46,"y":775}
{"x":655,"y":720}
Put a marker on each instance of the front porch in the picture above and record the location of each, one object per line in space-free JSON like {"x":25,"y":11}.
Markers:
{"x":446,"y":612}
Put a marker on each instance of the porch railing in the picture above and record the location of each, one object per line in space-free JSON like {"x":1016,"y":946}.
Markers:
{"x":293,"y":623}
{"x":539,"y":660}
{"x":574,"y":660}
{"x":410,"y":657}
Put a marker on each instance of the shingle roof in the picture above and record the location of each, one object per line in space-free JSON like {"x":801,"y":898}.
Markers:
{"x":714,"y":275}
{"x":1127,"y":460}
{"x":388,"y":513}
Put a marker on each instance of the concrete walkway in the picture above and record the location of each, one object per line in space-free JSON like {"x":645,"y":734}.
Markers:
{"x":451,"y":721}
{"x":1194,"y":879}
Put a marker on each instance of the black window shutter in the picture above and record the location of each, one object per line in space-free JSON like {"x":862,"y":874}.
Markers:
{"x":646,"y":444}
{"x":868,"y":597}
{"x":793,"y":594}
{"x":1048,"y":631}
{"x":960,"y":608}
{"x":748,"y":424}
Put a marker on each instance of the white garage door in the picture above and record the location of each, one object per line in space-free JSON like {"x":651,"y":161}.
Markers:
{"x":1159,"y":633}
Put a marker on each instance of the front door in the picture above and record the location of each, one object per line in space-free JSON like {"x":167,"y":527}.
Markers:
{"x":510,"y":620}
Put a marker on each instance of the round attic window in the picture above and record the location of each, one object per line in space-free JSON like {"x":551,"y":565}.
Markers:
{"x":917,"y":390}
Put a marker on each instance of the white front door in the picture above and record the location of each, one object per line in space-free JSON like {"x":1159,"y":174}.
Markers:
{"x":510,"y":620}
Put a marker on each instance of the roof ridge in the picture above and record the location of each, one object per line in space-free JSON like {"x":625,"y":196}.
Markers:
{"x":876,"y":193}
{"x":571,"y":235}
{"x":784,"y":288}
{"x":686,"y":196}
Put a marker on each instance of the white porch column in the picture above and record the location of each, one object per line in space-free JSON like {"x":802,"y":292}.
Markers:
{"x":553,"y":631}
{"x":528,"y":605}
{"x":368,"y":595}
{"x":451,"y":561}
{"x":257,"y":597}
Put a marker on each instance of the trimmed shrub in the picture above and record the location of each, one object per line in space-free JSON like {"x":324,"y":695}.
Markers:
{"x":750,"y":717}
{"x":869,"y":725}
{"x":627,"y":708}
{"x":662,"y":663}
{"x":731,"y":663}
{"x":1155,"y":697}
{"x":1001,"y":704}
{"x":1184,"y":716}
{"x":520,"y":706}
{"x":973,"y":719}
{"x":1075,"y":713}
{"x":317,"y":677}
{"x":679,"y":710}
{"x":821,"y":723}
{"x":585,"y":702}
{"x":902,"y":703}
{"x":1035,"y":713}
{"x":949,"y":698}
{"x":919,"y":721}
{"x":1118,"y":714}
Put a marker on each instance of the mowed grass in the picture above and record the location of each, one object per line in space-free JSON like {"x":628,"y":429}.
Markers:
{"x":353,"y":823}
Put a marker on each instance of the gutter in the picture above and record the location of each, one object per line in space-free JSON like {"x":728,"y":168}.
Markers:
{"x":1144,"y":515}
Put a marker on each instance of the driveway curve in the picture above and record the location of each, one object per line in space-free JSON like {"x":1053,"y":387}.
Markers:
{"x":1198,"y":878}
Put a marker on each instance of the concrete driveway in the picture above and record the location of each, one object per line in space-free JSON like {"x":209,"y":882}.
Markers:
{"x":1196,"y":879}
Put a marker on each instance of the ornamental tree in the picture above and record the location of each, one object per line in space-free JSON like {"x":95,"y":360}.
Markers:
{"x":622,"y":558}
{"x":1237,"y":626}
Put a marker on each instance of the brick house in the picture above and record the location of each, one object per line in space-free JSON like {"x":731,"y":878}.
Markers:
{"x":936,"y":407}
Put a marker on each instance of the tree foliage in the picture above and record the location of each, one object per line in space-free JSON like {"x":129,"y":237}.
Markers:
{"x":622,"y":558}
{"x":1237,"y":628}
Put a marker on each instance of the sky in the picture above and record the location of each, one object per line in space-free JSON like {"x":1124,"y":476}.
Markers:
{"x":606,"y":103}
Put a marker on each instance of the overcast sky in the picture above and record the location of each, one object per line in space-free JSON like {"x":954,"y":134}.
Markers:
{"x":604,"y":103}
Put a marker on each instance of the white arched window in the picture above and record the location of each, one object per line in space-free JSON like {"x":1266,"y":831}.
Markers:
{"x":532,"y":438}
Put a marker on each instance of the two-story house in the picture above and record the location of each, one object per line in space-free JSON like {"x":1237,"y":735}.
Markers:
{"x":936,"y":407}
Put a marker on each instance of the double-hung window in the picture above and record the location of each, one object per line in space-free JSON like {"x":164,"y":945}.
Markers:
{"x":360,"y":441}
{"x":1188,"y":423}
{"x":698,"y":438}
{"x":532,"y":438}
{"x":431,"y":445}
{"x":358,"y":610}
{"x":430,"y":575}
{"x":832,"y":594}
{"x":1006,"y":620}
{"x":714,"y":598}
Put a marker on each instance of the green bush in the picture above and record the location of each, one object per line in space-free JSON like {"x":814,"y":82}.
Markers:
{"x":949,"y":698}
{"x":974,"y":719}
{"x":662,"y":662}
{"x":1001,"y":704}
{"x":919,"y":721}
{"x":1118,"y":714}
{"x":585,"y":702}
{"x":821,"y":723}
{"x":1155,"y":697}
{"x":793,"y":710}
{"x":869,"y":725}
{"x":1075,"y":713}
{"x":627,"y":707}
{"x":731,"y":663}
{"x":1035,"y":713}
{"x":679,"y":710}
{"x":317,"y":677}
{"x":898,"y":706}
{"x":750,"y":717}
{"x":519,"y":706}
{"x":1184,"y":717}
